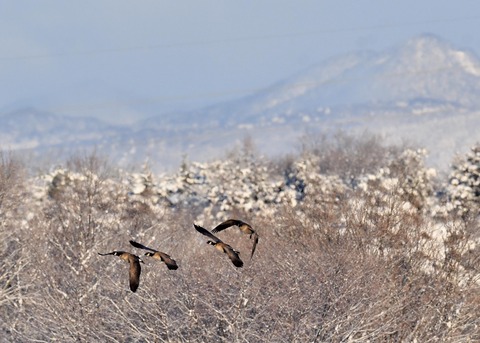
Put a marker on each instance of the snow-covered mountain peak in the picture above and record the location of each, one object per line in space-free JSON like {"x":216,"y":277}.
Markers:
{"x":425,"y":90}
{"x":428,"y":52}
{"x":312,"y":79}
{"x":424,"y":45}
{"x":424,"y":67}
{"x":468,"y":61}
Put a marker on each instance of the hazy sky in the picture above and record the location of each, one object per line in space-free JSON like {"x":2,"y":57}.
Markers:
{"x":113,"y":59}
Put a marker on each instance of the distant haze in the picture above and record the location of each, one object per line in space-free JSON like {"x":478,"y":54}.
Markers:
{"x":121,"y":61}
{"x":423,"y":91}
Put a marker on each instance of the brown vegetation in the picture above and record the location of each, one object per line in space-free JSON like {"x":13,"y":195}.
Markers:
{"x":341,"y":266}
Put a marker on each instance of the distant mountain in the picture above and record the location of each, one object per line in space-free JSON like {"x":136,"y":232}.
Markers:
{"x":31,"y":128}
{"x":424,"y":69}
{"x":425,"y":91}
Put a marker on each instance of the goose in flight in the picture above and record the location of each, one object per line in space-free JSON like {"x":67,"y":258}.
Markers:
{"x":158,"y":255}
{"x":221,"y":246}
{"x":135,"y":269}
{"x":244,"y":227}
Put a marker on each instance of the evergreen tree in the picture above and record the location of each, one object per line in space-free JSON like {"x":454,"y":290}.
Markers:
{"x":464,"y":183}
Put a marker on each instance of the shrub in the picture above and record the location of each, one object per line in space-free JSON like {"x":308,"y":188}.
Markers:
{"x":464,"y":184}
{"x":336,"y":261}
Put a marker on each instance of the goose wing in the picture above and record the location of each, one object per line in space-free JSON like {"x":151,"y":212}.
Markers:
{"x":116,"y":253}
{"x":233,"y":256}
{"x":207,"y":233}
{"x":134,"y":273}
{"x":226,"y":224}
{"x":255,"y":242}
{"x":170,"y":262}
{"x":141,"y":246}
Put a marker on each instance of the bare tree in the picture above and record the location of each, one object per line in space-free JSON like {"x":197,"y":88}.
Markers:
{"x":341,"y":264}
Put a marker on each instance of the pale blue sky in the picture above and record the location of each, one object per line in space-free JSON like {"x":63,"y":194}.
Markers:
{"x":117,"y":59}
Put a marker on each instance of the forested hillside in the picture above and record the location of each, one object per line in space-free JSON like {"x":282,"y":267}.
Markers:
{"x":358,"y":242}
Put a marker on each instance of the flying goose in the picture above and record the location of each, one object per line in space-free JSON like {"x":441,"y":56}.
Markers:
{"x":135,"y":269}
{"x":221,"y":246}
{"x":158,"y":255}
{"x":244,"y":227}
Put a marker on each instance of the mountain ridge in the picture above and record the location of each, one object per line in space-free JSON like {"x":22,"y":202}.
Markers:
{"x":426,"y":77}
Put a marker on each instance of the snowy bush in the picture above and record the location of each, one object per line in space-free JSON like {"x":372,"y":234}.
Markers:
{"x":464,"y":183}
{"x":405,"y":177}
{"x":310,"y":183}
{"x":350,"y":256}
{"x":217,"y":188}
